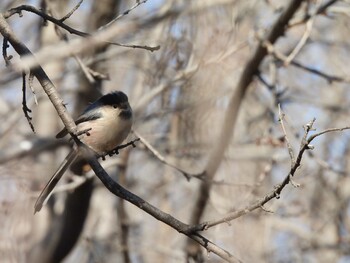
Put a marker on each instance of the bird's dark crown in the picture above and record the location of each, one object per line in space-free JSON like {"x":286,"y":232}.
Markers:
{"x":116,"y":97}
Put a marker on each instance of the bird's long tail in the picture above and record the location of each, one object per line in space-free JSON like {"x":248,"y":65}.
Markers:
{"x":54,"y":180}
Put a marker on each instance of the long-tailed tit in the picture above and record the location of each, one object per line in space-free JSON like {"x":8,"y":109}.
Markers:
{"x":107,"y":123}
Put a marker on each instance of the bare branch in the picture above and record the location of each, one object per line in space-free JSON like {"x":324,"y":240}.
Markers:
{"x":30,"y":83}
{"x":121,"y":192}
{"x":302,"y":41}
{"x":25,"y":108}
{"x":6,"y":57}
{"x":60,"y":23}
{"x":72,"y":11}
{"x":138,"y":3}
{"x":289,"y":146}
{"x":281,"y":57}
{"x":161,"y":158}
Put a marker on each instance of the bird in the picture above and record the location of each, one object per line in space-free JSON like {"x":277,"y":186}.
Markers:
{"x":102,"y":126}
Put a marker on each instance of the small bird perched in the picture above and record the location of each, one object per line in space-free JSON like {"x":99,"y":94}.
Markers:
{"x":103,"y":126}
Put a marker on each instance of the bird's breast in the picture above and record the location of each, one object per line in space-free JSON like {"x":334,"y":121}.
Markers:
{"x":106,"y":133}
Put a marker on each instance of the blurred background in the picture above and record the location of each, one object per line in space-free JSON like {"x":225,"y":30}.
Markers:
{"x":179,"y":95}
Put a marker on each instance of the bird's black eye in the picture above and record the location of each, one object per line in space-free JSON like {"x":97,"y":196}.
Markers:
{"x":115,"y":106}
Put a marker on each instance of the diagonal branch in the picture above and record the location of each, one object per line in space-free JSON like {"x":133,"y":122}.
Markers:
{"x":181,"y":227}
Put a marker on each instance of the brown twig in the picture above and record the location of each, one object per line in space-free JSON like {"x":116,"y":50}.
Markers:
{"x":58,"y":22}
{"x":72,"y":11}
{"x":152,"y":49}
{"x":302,"y":41}
{"x":119,"y":147}
{"x":289,"y":146}
{"x":25,"y":108}
{"x":162,"y":159}
{"x":6,"y":57}
{"x":138,"y":3}
{"x":30,"y":83}
{"x":32,"y":9}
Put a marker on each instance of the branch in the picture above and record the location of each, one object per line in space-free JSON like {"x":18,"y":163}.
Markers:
{"x":161,"y":158}
{"x":181,"y":227}
{"x":321,"y":10}
{"x":72,"y":11}
{"x":60,"y":23}
{"x":276,"y":192}
{"x":119,"y":147}
{"x":6,"y":57}
{"x":32,"y":9}
{"x":281,"y":57}
{"x":25,"y":108}
{"x":138,"y":3}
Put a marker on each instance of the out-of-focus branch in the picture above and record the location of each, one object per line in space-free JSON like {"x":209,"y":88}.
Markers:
{"x":161,"y":158}
{"x":30,"y":148}
{"x":75,"y":8}
{"x":322,"y":9}
{"x":138,"y":3}
{"x":302,"y":41}
{"x":281,"y":57}
{"x":231,"y":114}
{"x":246,"y":78}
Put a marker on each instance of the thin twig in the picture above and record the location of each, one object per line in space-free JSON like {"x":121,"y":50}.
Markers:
{"x":152,"y":49}
{"x":138,"y":3}
{"x":32,"y":9}
{"x":289,"y":146}
{"x":281,"y":57}
{"x":58,"y":22}
{"x":30,"y":83}
{"x":72,"y":11}
{"x":25,"y":108}
{"x":304,"y":38}
{"x":6,"y":57}
{"x":161,"y":158}
{"x":119,"y":147}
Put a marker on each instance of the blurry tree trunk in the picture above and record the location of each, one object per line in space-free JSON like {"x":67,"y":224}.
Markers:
{"x":230,"y":120}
